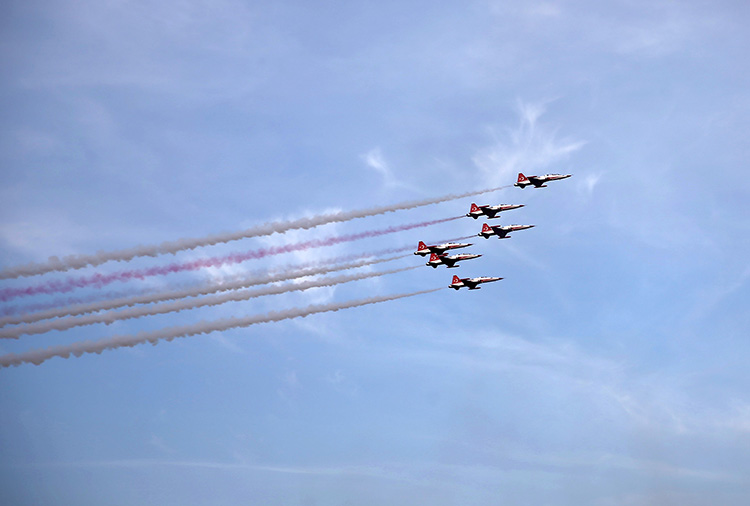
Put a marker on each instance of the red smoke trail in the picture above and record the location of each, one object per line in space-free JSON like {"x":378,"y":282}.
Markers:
{"x":80,"y":305}
{"x":276,"y":227}
{"x":99,"y":280}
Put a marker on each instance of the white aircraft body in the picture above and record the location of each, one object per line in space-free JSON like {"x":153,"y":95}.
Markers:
{"x":538,"y":181}
{"x":500,"y":231}
{"x":423,"y":249}
{"x":490,"y":211}
{"x":471,"y":283}
{"x":449,"y":261}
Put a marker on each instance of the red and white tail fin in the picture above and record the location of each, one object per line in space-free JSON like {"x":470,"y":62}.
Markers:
{"x":434,"y":258}
{"x":485,"y":228}
{"x":474,"y":208}
{"x":522,"y":178}
{"x":456,"y":280}
{"x":421,"y":246}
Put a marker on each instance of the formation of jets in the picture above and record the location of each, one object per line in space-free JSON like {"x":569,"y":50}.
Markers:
{"x":437,"y":251}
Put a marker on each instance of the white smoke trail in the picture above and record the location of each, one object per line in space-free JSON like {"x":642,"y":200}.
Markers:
{"x":234,"y":284}
{"x":39,"y":356}
{"x":188,"y":303}
{"x":80,"y":261}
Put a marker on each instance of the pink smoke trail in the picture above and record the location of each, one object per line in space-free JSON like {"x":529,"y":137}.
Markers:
{"x":277,"y":227}
{"x":99,"y":280}
{"x":98,"y":301}
{"x":225,"y":285}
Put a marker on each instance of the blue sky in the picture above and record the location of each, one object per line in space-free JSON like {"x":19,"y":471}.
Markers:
{"x":608,"y":367}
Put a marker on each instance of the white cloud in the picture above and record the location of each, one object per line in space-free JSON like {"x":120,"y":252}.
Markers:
{"x":587,"y":185}
{"x":544,"y":9}
{"x":341,"y":383}
{"x":159,"y":444}
{"x":227,"y":344}
{"x":531,"y":147}
{"x":39,"y":235}
{"x":374,"y":159}
{"x":659,"y":34}
{"x":643,"y":402}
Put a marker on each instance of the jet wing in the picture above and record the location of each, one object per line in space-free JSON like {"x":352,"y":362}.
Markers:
{"x":499,"y":231}
{"x":470,"y":283}
{"x":448,"y":261}
{"x":537,"y":181}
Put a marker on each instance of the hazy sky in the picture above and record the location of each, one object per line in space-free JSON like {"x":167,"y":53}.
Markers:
{"x":609,"y":367}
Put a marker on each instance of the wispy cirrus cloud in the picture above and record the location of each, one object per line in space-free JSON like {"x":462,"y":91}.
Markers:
{"x":644,"y":402}
{"x":529,"y":147}
{"x":588,"y":183}
{"x":415,"y":471}
{"x":375,"y":160}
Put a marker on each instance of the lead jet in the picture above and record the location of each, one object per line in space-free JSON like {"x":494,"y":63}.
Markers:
{"x":449,"y":261}
{"x":501,"y":231}
{"x":490,"y":211}
{"x":538,"y":181}
{"x":423,"y":249}
{"x":471,"y":283}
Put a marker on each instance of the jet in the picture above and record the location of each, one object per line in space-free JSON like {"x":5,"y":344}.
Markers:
{"x":424,"y":250}
{"x":449,"y":261}
{"x":490,"y":211}
{"x":500,"y":231}
{"x":471,"y":283}
{"x":538,"y":181}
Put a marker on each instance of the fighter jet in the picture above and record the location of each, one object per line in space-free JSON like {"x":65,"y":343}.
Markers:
{"x":471,"y":283}
{"x":500,"y":231}
{"x":490,"y":211}
{"x":538,"y":181}
{"x":424,"y":250}
{"x":449,"y":261}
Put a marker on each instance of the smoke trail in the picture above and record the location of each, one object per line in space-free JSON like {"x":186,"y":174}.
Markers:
{"x":206,"y":289}
{"x":34,"y":313}
{"x":79,"y":348}
{"x":11,"y":313}
{"x":99,"y":280}
{"x":189,"y":303}
{"x":80,"y":261}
